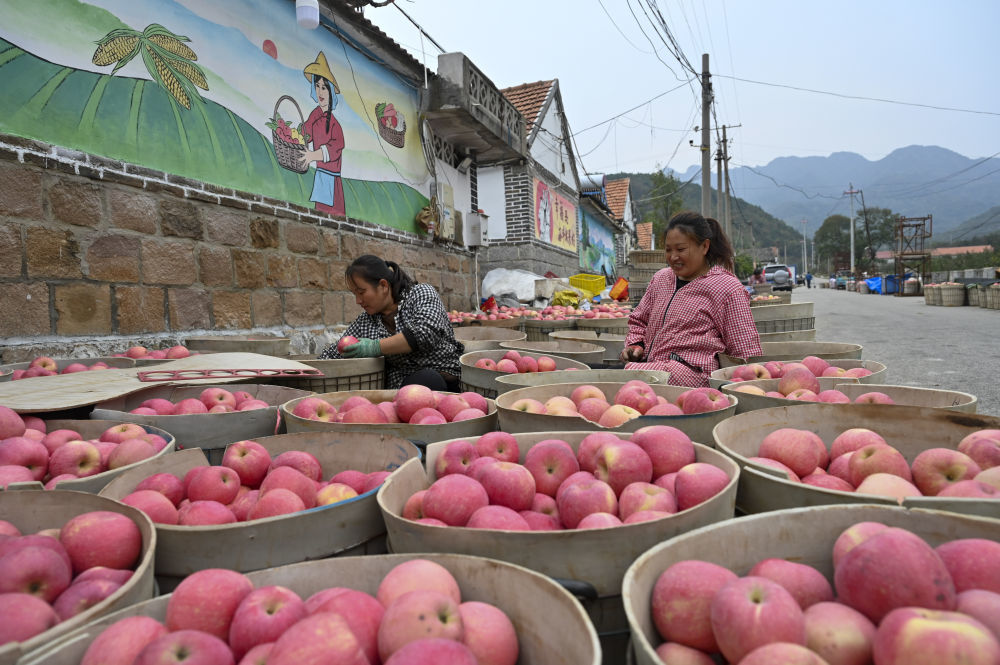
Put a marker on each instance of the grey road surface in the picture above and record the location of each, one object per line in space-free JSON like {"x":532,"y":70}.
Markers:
{"x":952,"y":348}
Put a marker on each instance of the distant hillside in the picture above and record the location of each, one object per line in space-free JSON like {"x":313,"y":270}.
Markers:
{"x":984,"y":224}
{"x":768,"y":231}
{"x":913,"y":181}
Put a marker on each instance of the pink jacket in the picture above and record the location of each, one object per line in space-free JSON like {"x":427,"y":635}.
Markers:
{"x":710,"y":315}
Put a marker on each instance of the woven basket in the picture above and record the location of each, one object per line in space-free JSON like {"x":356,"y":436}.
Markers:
{"x":393,"y":137}
{"x":974,"y":295}
{"x":786,"y":325}
{"x":538,"y":331}
{"x":952,"y":295}
{"x":994,"y":291}
{"x":289,"y":154}
{"x":646,"y":256}
{"x":636,"y":274}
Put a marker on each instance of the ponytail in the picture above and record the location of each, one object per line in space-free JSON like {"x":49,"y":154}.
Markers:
{"x":720,"y":251}
{"x":373,"y":269}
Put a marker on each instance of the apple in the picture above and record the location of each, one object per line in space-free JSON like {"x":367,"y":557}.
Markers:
{"x":887,"y":484}
{"x":983,"y":447}
{"x":590,"y":446}
{"x":748,"y":389}
{"x":81,"y":596}
{"x":499,"y":445}
{"x":80,"y":458}
{"x":890,"y":569}
{"x":915,"y":635}
{"x":775,"y":368}
{"x":277,"y":501}
{"x":837,"y":372}
{"x":413,"y":575}
{"x":206,"y":600}
{"x":415,"y":615}
{"x":486,"y":363}
{"x":178,"y":351}
{"x":250,"y":460}
{"x":453,"y":499}
{"x":703,"y":400}
{"x":616,"y":415}
{"x":786,"y":653}
{"x":189,"y":406}
{"x":873,"y":397}
{"x":451,"y":405}
{"x":314,"y":408}
{"x":935,"y":469}
{"x":971,"y":489}
{"x":360,"y":610}
{"x":58,"y":437}
{"x":468,"y":414}
{"x":244,"y":503}
{"x":166,"y":484}
{"x":982,"y":605}
{"x":101,"y":538}
{"x":806,"y":584}
{"x":775,"y":464}
{"x":488,"y":633}
{"x":853,"y":536}
{"x":156,"y":506}
{"x":973,"y":563}
{"x":434,"y":651}
{"x":10,"y":474}
{"x":990,"y":476}
{"x":285,"y":477}
{"x":346,"y":341}
{"x":499,"y":518}
{"x":795,"y":448}
{"x":546,"y":364}
{"x":122,"y":641}
{"x":538,"y":521}
{"x":507,"y":484}
{"x":668,"y":448}
{"x":750,"y":372}
{"x":580,"y":495}
{"x":8,"y":529}
{"x":369,"y":413}
{"x":832,"y":397}
{"x":456,"y":457}
{"x":698,"y":482}
{"x":301,"y":461}
{"x":857,"y":372}
{"x":163,"y":407}
{"x":263,"y":616}
{"x":592,"y":408}
{"x":43,"y":362}
{"x":839,"y":634}
{"x":410,"y":399}
{"x":583,"y":392}
{"x":203,"y":513}
{"x":681,"y":602}
{"x":643,"y":496}
{"x":476,"y":401}
{"x":877,"y":458}
{"x":621,"y":463}
{"x":20,"y":451}
{"x":797,"y":378}
{"x":211,"y":397}
{"x":599,"y":521}
{"x":118,"y":576}
{"x":324,"y":637}
{"x":528,"y":405}
{"x":550,"y":463}
{"x":35,"y":570}
{"x":129,"y":452}
{"x":803,"y":395}
{"x":827,"y":481}
{"x":672,"y":653}
{"x":636,"y":395}
{"x":191,"y":647}
{"x":750,"y":612}
{"x":215,"y":483}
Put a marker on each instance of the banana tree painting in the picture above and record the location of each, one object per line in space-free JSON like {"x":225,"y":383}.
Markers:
{"x":164,"y":97}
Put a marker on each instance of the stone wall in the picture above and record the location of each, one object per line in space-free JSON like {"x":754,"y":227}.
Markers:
{"x":97,"y":255}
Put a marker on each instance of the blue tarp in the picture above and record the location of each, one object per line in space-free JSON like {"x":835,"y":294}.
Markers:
{"x":874,"y":284}
{"x":891,"y":282}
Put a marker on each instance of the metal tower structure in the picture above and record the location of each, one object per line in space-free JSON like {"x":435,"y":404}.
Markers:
{"x":911,"y":252}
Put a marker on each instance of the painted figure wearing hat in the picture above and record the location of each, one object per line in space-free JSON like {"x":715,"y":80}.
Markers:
{"x":327,"y":138}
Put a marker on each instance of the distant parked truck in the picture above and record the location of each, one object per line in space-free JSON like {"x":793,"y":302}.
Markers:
{"x":780,"y":276}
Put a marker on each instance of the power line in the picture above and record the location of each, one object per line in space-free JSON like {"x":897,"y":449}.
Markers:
{"x":620,"y":32}
{"x":639,"y":105}
{"x":792,"y":187}
{"x":860,"y":97}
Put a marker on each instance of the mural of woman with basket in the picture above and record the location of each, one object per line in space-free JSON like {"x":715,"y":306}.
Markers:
{"x":326,"y":137}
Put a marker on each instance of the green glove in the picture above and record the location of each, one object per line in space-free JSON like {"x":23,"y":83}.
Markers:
{"x":365,"y":348}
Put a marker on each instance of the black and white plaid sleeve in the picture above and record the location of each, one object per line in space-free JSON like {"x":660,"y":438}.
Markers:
{"x":363,"y":326}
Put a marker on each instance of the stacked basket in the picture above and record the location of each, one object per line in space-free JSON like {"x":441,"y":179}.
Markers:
{"x":643,"y":264}
{"x":952,"y":295}
{"x":994,"y":296}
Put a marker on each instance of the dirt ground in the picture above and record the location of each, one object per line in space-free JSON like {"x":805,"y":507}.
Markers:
{"x":953,"y":348}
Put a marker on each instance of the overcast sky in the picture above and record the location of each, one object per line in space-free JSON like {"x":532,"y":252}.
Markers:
{"x":915,"y":51}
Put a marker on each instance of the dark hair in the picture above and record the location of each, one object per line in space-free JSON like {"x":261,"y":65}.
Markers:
{"x":700,"y":229}
{"x":372,"y":269}
{"x":329,"y":88}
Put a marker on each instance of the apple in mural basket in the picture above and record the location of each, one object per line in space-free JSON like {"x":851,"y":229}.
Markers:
{"x":346,"y":341}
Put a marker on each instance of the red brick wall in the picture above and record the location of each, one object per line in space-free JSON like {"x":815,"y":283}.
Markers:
{"x":93,"y":250}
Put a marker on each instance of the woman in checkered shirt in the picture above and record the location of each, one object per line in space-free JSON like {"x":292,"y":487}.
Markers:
{"x":404,"y":321}
{"x":693,"y":309}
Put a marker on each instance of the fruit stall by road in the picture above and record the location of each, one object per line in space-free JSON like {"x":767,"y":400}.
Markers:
{"x":228,"y":503}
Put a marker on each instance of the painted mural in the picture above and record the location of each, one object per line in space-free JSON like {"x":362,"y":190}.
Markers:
{"x":230,"y":92}
{"x":597,"y":246}
{"x":555,"y":217}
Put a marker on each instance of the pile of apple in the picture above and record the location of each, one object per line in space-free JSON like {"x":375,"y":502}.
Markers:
{"x":413,"y":404}
{"x":170,"y":353}
{"x":859,"y":460}
{"x":217,"y":617}
{"x":45,"y":366}
{"x":607,"y":482}
{"x":513,"y":362}
{"x":635,"y":398}
{"x":894,"y":599}
{"x":765,"y":298}
{"x":565,"y":312}
{"x":249,"y":485}
{"x":798,"y":381}
{"x":492,"y":314}
{"x":55,"y":574}
{"x":29,"y":453}
{"x":211,"y":400}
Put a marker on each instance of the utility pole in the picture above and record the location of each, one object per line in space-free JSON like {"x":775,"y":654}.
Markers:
{"x":725,"y":182}
{"x":706,"y":157}
{"x":851,"y":192}
{"x":718,"y":190}
{"x":805,"y":264}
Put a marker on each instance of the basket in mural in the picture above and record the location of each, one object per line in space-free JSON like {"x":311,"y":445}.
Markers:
{"x":289,"y":142}
{"x":391,"y":124}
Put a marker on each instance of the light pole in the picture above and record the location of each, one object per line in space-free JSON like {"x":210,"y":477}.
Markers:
{"x":851,"y":192}
{"x":805,"y":264}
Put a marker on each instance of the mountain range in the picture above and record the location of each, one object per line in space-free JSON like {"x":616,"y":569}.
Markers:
{"x":914,"y":181}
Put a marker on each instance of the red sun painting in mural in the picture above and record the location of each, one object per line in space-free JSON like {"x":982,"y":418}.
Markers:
{"x":269,"y":48}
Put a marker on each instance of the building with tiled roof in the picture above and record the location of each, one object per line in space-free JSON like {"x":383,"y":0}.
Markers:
{"x":530,"y":99}
{"x":644,"y":233}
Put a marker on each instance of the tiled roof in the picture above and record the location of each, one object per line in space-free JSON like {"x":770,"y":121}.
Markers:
{"x":617,"y":194}
{"x":528,"y":98}
{"x":645,"y":233}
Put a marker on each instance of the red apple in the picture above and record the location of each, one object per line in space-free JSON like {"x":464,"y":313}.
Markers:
{"x":797,"y":449}
{"x":935,"y":469}
{"x":786,"y":653}
{"x":550,"y":463}
{"x":191,"y":647}
{"x":499,"y":445}
{"x":314,"y":408}
{"x":974,"y":563}
{"x":122,"y":641}
{"x":806,"y":584}
{"x":853,"y":536}
{"x":101,"y":538}
{"x":456,"y":457}
{"x":263,"y":616}
{"x":301,"y":461}
{"x":21,"y":451}
{"x":410,"y":399}
{"x":81,"y":596}
{"x":433,"y":651}
{"x":672,"y":653}
{"x":413,"y":575}
{"x":249,"y":460}
{"x":916,"y":635}
{"x":157,"y":506}
{"x":877,"y":458}
{"x":212,"y":397}
{"x":417,"y":615}
{"x":189,"y":406}
{"x":206,"y":600}
{"x":22,"y":616}
{"x":698,"y":482}
{"x":983,"y":606}
{"x":750,"y":612}
{"x":839,"y":634}
{"x":668,"y":448}
{"x":285,"y":477}
{"x":35,"y":570}
{"x":453,"y":499}
{"x":215,"y":483}
{"x":983,"y":447}
{"x":278,"y":501}
{"x":580,"y":495}
{"x":873,"y":397}
{"x":80,"y":458}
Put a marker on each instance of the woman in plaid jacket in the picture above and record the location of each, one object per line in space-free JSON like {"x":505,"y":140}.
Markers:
{"x":404,"y":321}
{"x":692,"y":310}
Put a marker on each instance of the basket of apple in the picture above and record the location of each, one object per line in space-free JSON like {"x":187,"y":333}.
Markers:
{"x":550,"y":319}
{"x":613,"y":343}
{"x":204,"y":417}
{"x":67,"y":558}
{"x":584,"y":352}
{"x":274,"y":500}
{"x":799,"y":386}
{"x":621,"y":407}
{"x":413,"y":412}
{"x":494,"y":317}
{"x":143,"y":355}
{"x":863,"y":371}
{"x":578,"y":506}
{"x":486,"y":338}
{"x":46,"y":366}
{"x":481,"y":369}
{"x":787,"y":351}
{"x":355,"y":611}
{"x":864,"y":453}
{"x":829,"y":585}
{"x":510,"y":382}
{"x":82,"y":455}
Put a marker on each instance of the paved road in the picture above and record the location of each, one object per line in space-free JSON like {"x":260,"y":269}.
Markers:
{"x":954,"y":348}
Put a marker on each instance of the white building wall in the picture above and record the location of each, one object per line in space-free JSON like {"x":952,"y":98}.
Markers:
{"x":549,"y":150}
{"x":493,"y":202}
